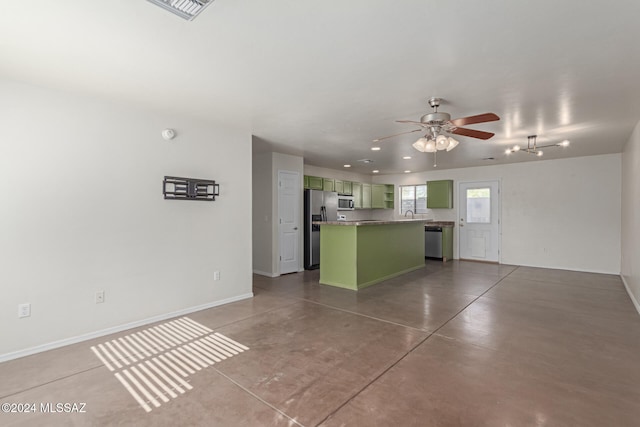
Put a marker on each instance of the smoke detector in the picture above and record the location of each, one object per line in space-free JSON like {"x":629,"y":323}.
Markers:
{"x":187,"y":9}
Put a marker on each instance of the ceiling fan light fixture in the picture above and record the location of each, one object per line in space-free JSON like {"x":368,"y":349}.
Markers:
{"x":438,"y":124}
{"x":441,"y":142}
{"x":452,"y":143}
{"x":421,"y":144}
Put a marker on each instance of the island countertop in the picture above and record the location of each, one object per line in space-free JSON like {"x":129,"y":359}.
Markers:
{"x":386,"y":222}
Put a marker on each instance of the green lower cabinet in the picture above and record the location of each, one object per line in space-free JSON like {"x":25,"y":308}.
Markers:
{"x":447,"y":243}
{"x":314,"y":183}
{"x":366,"y":196}
{"x":440,"y":194}
{"x":357,"y":194}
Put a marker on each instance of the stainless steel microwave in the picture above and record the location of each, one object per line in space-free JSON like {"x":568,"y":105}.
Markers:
{"x":345,"y":203}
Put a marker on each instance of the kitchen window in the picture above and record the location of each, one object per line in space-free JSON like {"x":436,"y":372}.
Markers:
{"x":413,"y":198}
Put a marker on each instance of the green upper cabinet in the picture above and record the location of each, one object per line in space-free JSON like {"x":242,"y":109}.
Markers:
{"x":440,"y":194}
{"x":366,"y":196}
{"x":356,"y":188}
{"x":313,"y":182}
{"x":377,"y":196}
{"x":338,"y":186}
{"x":382,"y":196}
{"x":389,"y":196}
{"x":347,"y":188}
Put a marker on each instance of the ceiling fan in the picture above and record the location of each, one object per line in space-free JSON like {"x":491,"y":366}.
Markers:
{"x":437,"y":123}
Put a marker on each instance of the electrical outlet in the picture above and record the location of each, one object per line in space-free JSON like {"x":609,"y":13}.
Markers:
{"x":99,"y":297}
{"x":216,"y":275}
{"x":24,"y":310}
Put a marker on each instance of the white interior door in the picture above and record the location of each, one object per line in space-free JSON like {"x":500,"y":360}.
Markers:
{"x":479,"y":210}
{"x":289,"y":212}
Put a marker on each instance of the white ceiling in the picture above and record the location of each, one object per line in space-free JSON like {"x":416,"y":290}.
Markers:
{"x":322,"y":79}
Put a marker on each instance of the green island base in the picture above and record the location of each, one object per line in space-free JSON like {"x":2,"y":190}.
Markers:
{"x":354,"y":256}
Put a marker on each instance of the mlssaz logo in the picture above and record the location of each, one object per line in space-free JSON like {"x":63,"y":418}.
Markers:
{"x":69,"y":408}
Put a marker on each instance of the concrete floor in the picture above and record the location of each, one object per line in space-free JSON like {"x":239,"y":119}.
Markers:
{"x":452,"y":344}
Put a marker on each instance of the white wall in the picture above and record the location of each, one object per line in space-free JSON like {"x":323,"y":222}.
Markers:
{"x":631,"y":216}
{"x":336,"y":174}
{"x":262,"y":195}
{"x":556,"y":213}
{"x":266,"y":237}
{"x":82,"y":210}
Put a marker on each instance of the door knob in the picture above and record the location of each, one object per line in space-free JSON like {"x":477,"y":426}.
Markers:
{"x":461,"y":225}
{"x":295,"y":228}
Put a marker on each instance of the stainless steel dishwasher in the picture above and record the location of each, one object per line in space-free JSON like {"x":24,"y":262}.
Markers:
{"x":432,"y":242}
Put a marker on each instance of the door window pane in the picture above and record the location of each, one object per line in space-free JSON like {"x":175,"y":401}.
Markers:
{"x":479,"y":205}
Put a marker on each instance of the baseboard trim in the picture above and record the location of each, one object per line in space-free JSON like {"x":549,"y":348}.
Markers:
{"x":633,"y":298}
{"x":264,"y":273}
{"x":97,"y":334}
{"x":613,"y":273}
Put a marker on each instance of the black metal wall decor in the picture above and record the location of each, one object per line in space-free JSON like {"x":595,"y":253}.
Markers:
{"x":177,"y":188}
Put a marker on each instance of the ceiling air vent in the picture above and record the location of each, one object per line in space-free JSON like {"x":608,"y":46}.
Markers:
{"x":187,"y":9}
{"x":366,"y":161}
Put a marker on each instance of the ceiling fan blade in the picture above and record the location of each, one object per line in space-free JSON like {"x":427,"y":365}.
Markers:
{"x":397,"y":134}
{"x":424,"y":125}
{"x":480,"y":118}
{"x":472,"y":133}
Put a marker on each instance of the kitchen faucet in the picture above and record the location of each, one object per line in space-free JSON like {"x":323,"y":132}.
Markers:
{"x":407,"y":211}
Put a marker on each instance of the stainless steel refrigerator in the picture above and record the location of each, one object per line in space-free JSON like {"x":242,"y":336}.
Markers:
{"x":318,"y":206}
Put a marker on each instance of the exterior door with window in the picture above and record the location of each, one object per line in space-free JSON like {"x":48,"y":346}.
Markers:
{"x":479,"y":208}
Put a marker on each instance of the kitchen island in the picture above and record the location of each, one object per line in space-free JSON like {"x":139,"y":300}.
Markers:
{"x":357,"y":254}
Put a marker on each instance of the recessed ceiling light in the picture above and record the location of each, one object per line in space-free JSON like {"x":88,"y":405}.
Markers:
{"x":187,"y":9}
{"x":347,"y":166}
{"x":375,"y":148}
{"x":376,"y":171}
{"x":407,"y":171}
{"x":406,"y":157}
